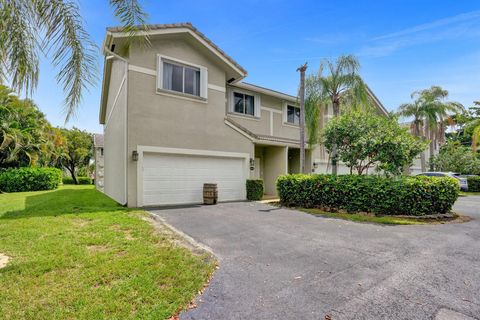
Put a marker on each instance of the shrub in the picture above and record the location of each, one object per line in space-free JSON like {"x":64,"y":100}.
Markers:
{"x":473,"y":184}
{"x":80,"y":180}
{"x":30,"y":179}
{"x":374,"y":194}
{"x":254,"y":189}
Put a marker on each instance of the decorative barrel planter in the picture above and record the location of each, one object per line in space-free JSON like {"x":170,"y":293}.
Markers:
{"x":210,"y":193}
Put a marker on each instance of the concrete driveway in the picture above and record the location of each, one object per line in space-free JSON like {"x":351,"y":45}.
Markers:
{"x":284,"y":264}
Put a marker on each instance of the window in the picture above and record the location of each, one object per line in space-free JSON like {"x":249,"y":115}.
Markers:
{"x":243,"y":103}
{"x":293,"y":114}
{"x":181,"y":78}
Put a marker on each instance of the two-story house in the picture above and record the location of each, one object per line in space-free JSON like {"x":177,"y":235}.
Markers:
{"x":176,"y":115}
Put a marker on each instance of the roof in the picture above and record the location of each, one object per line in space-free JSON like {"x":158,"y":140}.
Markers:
{"x":98,"y":140}
{"x":259,"y":138}
{"x":152,"y":29}
{"x":270,"y":92}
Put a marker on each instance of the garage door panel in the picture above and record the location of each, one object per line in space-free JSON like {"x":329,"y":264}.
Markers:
{"x":179,"y":179}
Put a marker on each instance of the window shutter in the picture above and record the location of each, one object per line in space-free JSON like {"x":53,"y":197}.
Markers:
{"x":160,"y":72}
{"x":230,"y":100}
{"x":257,"y":106}
{"x":204,"y":83}
{"x":284,"y":113}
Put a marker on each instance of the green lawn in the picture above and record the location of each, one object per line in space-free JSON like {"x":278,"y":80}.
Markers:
{"x":77,"y":254}
{"x":363,"y":218}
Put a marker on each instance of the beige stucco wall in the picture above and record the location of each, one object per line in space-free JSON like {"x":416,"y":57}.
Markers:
{"x":270,"y":122}
{"x":115,"y":135}
{"x":275,"y":164}
{"x":165,"y":121}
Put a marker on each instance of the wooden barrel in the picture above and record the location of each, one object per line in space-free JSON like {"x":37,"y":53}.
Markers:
{"x":210,"y":193}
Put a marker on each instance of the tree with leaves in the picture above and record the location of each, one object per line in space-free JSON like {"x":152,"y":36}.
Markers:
{"x":55,"y":28}
{"x":456,"y":158}
{"x":339,"y":86}
{"x":365,"y":140}
{"x":22,"y":130}
{"x":78,"y":151}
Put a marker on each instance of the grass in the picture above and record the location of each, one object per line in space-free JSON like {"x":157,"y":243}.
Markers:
{"x":364,"y":218}
{"x":77,"y":254}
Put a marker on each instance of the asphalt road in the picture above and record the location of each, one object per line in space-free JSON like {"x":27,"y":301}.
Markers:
{"x":284,"y":264}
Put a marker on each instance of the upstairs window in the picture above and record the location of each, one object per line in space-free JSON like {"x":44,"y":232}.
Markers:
{"x":243,"y":103}
{"x":175,"y":76}
{"x":293,"y":115}
{"x":181,"y":78}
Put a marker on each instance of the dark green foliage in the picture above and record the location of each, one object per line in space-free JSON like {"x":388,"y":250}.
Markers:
{"x":380,"y":195}
{"x":254,"y":189}
{"x":80,"y":180}
{"x":473,"y":184}
{"x":30,"y":179}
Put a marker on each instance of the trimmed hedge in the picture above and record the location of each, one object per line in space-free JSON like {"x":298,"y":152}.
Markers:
{"x":364,"y":193}
{"x":30,"y":179}
{"x":80,"y":180}
{"x":473,"y":184}
{"x":254,"y":189}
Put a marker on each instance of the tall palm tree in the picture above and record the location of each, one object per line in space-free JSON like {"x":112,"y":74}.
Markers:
{"x":54,"y":28}
{"x":475,"y":124}
{"x":429,"y":111}
{"x":341,"y":84}
{"x":416,"y":110}
{"x":437,"y":111}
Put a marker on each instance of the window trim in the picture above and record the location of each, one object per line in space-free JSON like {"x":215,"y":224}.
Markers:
{"x":203,"y":78}
{"x":256,"y":103}
{"x":285,"y":114}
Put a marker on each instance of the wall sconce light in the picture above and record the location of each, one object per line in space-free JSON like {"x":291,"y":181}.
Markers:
{"x":315,"y":165}
{"x":134,"y":155}
{"x":252,"y":164}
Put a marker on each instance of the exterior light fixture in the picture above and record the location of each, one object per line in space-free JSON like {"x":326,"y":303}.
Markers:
{"x":315,"y":165}
{"x":134,"y":155}
{"x":252,"y":164}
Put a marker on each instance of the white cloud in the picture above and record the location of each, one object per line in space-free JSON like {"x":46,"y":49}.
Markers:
{"x":461,"y":26}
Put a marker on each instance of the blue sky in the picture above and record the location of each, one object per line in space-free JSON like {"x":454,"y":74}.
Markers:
{"x":402,"y":45}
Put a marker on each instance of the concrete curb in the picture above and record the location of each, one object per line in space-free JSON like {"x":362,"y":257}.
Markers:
{"x":189,"y":239}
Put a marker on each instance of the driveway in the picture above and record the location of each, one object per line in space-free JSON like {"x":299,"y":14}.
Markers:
{"x":284,"y":264}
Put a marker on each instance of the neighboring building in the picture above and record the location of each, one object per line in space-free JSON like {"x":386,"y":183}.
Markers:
{"x":99,"y":160}
{"x":176,"y":115}
{"x":438,"y":141}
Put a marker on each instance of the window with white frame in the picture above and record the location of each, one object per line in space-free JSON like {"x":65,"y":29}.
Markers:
{"x":182,"y":78}
{"x":293,"y":114}
{"x":243,"y":103}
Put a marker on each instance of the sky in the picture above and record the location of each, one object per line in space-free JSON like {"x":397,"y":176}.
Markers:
{"x":402,"y":45}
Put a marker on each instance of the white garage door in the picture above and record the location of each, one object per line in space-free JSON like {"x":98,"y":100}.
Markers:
{"x":179,"y":179}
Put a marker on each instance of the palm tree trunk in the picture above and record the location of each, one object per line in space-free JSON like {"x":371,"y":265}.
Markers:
{"x":302,"y":70}
{"x":422,"y":154}
{"x":432,"y":149}
{"x":336,"y":113}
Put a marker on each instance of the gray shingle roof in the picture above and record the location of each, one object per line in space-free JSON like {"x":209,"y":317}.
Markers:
{"x":187,"y":25}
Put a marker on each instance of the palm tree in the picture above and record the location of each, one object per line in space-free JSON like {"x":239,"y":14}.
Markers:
{"x":429,"y":111}
{"x":55,"y":28}
{"x":342,"y":84}
{"x":475,"y":124}
{"x":437,"y":111}
{"x":416,"y":110}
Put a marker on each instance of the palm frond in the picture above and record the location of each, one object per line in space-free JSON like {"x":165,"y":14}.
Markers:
{"x":131,"y":15}
{"x":18,"y":46}
{"x":74,"y":53}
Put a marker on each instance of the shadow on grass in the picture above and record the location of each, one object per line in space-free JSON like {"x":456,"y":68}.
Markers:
{"x":67,"y":200}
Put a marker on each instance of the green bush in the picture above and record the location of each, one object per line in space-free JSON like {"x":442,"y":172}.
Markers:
{"x":473,"y":184}
{"x":80,"y":180}
{"x":254,"y":189}
{"x":362,"y":193}
{"x":29,"y":179}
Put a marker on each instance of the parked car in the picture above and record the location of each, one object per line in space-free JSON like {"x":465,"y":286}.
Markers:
{"x":463,"y":181}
